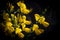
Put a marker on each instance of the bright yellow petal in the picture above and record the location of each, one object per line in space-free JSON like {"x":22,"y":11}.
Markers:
{"x":24,"y":17}
{"x":20,"y":19}
{"x":45,"y":24}
{"x":37,"y":17}
{"x":8,"y":24}
{"x":21,"y":4}
{"x":23,"y":26}
{"x":41,"y":20}
{"x":28,"y":22}
{"x":21,"y":35}
{"x":11,"y":29}
{"x":39,"y":31}
{"x":18,"y":30}
{"x":35,"y":26}
{"x":27,"y":30}
{"x":23,"y":8}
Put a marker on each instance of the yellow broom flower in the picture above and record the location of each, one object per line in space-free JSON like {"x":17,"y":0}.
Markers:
{"x":11,"y":29}
{"x":24,"y":18}
{"x":23,"y":8}
{"x":21,"y":35}
{"x":20,"y":19}
{"x":18,"y":30}
{"x":45,"y":24}
{"x":39,"y":31}
{"x":25,"y":11}
{"x":23,"y":26}
{"x":37,"y":17}
{"x":9,"y":26}
{"x":27,"y":30}
{"x":28,"y":22}
{"x":41,"y":20}
{"x":35,"y":26}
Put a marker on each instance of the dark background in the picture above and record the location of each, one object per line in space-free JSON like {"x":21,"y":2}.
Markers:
{"x":38,"y":6}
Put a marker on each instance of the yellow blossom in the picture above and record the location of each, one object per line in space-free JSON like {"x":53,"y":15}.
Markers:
{"x":28,"y":22}
{"x":35,"y":26}
{"x":45,"y":24}
{"x":23,"y":26}
{"x":37,"y":17}
{"x":39,"y":31}
{"x":24,"y":18}
{"x":15,"y":20}
{"x":20,"y":19}
{"x":18,"y":30}
{"x":11,"y":29}
{"x":27,"y":30}
{"x":21,"y":35}
{"x":8,"y":24}
{"x":41,"y":20}
{"x":23,"y":8}
{"x":25,"y":11}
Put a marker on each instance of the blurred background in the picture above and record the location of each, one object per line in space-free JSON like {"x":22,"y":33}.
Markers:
{"x":38,"y":6}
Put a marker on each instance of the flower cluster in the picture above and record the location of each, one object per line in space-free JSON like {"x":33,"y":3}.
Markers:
{"x":17,"y":23}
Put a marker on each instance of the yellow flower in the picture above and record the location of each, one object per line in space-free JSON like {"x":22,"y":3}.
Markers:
{"x":23,"y":8}
{"x":39,"y":31}
{"x":37,"y":17}
{"x":25,"y":11}
{"x":20,"y":19}
{"x":45,"y":24}
{"x":28,"y":22}
{"x":21,"y":4}
{"x":35,"y":26}
{"x":23,"y":26}
{"x":11,"y":29}
{"x":24,"y":17}
{"x":9,"y":26}
{"x":41,"y":20}
{"x":27,"y":30}
{"x":21,"y":35}
{"x":18,"y":30}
